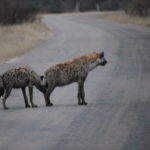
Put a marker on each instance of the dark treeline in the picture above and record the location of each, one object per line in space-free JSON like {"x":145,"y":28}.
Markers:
{"x":70,"y":5}
{"x":18,"y":11}
{"x":87,"y":5}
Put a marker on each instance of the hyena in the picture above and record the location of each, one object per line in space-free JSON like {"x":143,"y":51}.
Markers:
{"x":73,"y":71}
{"x":20,"y":78}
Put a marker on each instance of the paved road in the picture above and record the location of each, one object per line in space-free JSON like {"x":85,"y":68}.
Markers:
{"x":118,"y":114}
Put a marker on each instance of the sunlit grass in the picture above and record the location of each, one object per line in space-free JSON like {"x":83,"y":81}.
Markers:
{"x":17,"y":39}
{"x":124,"y":18}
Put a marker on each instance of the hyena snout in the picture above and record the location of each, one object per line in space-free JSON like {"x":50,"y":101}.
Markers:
{"x":104,"y":62}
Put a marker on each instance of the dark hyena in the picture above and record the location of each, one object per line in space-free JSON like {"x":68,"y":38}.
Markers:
{"x":20,"y":78}
{"x":73,"y":71}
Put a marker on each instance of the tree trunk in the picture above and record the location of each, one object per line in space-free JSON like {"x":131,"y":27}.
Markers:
{"x":77,"y":5}
{"x":97,"y":6}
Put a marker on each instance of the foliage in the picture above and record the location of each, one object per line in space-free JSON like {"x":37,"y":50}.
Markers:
{"x":139,"y":7}
{"x":16,"y":11}
{"x":110,"y":4}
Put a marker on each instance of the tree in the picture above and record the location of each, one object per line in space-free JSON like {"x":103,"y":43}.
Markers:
{"x":98,"y":4}
{"x":139,"y":7}
{"x":16,"y":11}
{"x":77,"y":5}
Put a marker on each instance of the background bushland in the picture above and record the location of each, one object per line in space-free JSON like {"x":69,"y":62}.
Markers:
{"x":18,"y":11}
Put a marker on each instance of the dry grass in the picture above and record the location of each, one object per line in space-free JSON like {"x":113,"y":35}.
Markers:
{"x":123,"y":18}
{"x":17,"y":39}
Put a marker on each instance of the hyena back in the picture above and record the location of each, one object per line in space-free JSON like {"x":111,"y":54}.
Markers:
{"x":73,"y":71}
{"x":20,"y":78}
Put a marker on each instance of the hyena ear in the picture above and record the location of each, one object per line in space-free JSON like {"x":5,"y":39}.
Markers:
{"x":101,"y":54}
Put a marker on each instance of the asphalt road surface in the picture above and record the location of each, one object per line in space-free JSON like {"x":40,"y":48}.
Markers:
{"x":118,"y":114}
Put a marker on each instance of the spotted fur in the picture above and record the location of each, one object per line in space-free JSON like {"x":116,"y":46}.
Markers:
{"x":72,"y":71}
{"x":20,"y":78}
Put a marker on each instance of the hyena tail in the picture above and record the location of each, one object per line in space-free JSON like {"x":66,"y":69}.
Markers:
{"x":1,"y":87}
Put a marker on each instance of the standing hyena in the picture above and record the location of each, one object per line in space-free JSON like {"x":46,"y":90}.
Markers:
{"x":73,"y":71}
{"x":20,"y":78}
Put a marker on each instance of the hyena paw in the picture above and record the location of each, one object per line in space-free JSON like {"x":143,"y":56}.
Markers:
{"x":34,"y":106}
{"x":27,"y":106}
{"x":5,"y":108}
{"x":85,"y":103}
{"x":82,"y":103}
{"x":79,"y":103}
{"x":49,"y":104}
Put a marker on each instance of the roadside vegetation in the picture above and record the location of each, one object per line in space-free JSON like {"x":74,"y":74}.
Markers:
{"x":135,"y":12}
{"x":19,"y":38}
{"x":120,"y":16}
{"x":138,"y":8}
{"x":20,"y":28}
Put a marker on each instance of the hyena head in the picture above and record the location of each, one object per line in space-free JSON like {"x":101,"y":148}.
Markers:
{"x":96,"y":59}
{"x":101,"y":59}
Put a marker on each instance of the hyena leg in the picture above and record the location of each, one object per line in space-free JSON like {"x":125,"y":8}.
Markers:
{"x":7,"y":93}
{"x":25,"y":97}
{"x":47,"y":96}
{"x":31,"y":96}
{"x":81,"y":94}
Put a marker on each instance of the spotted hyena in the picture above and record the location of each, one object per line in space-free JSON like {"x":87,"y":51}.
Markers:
{"x":20,"y":78}
{"x":73,"y":71}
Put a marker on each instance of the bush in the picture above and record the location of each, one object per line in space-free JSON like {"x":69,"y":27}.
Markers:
{"x":110,"y":5}
{"x":139,"y":7}
{"x":16,"y":11}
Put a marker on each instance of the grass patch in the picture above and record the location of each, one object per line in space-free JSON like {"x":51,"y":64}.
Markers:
{"x":17,"y":39}
{"x":124,"y":18}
